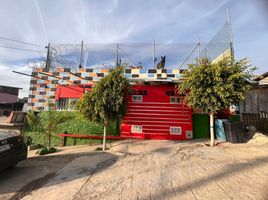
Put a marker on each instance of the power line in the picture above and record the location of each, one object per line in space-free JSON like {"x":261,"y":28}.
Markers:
{"x":27,"y":43}
{"x":21,"y":49}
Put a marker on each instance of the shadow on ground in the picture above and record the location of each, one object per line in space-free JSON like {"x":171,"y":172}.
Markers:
{"x":45,"y":168}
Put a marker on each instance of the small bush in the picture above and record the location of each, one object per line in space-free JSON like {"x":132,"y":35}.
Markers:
{"x":52,"y":150}
{"x":42,"y":151}
{"x":45,"y":150}
{"x":29,"y":140}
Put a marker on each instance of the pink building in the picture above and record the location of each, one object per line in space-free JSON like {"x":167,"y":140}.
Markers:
{"x":9,"y":99}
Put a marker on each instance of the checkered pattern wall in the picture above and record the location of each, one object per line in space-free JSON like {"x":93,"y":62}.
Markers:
{"x":45,"y":81}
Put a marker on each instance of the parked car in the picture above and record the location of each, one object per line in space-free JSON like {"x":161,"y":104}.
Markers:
{"x":12,"y":150}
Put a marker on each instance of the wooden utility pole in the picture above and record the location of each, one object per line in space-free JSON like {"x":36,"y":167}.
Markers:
{"x":48,"y":63}
{"x":81,"y":55}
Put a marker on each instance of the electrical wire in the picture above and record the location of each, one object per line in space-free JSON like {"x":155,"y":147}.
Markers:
{"x":21,"y":49}
{"x":27,"y":43}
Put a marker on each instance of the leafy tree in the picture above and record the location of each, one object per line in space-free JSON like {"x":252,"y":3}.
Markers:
{"x":212,"y":87}
{"x":107,"y":100}
{"x":46,"y":123}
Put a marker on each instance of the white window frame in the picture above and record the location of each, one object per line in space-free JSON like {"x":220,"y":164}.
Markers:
{"x":137,"y":100}
{"x":175,"y":127}
{"x":178,"y":100}
{"x":136,"y":128}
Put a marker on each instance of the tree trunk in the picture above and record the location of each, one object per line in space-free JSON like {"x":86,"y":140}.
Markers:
{"x":212,"y":140}
{"x":49,"y":141}
{"x":104,"y":138}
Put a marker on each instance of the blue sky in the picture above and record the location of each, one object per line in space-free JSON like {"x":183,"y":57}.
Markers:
{"x":175,"y":22}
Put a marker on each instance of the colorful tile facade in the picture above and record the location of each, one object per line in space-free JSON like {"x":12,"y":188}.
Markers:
{"x":45,"y":81}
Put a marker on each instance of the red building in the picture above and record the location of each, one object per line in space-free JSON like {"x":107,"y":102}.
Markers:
{"x":157,"y":112}
{"x":155,"y":109}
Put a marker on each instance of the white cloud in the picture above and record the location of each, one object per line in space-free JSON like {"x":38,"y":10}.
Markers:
{"x":9,"y":78}
{"x":106,"y":21}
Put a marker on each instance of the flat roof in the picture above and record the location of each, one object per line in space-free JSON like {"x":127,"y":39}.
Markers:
{"x":5,"y":86}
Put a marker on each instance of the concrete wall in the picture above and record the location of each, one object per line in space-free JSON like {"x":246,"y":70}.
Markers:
{"x":256,"y":100}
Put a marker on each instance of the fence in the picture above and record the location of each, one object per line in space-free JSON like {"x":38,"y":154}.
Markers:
{"x":254,"y":119}
{"x":144,"y":55}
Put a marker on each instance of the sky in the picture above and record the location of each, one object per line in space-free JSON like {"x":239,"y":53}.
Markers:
{"x":177,"y":23}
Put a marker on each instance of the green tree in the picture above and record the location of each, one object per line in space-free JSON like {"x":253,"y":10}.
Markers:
{"x":46,"y":123}
{"x":107,"y":100}
{"x":212,"y":87}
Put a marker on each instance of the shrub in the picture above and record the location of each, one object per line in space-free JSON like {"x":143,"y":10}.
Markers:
{"x":45,"y":150}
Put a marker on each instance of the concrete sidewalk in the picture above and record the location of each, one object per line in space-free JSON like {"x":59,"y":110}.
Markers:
{"x":71,"y":178}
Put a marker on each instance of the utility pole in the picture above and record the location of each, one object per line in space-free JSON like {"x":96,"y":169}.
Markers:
{"x":48,"y":63}
{"x":198,"y":54}
{"x":154,"y":58}
{"x":230,"y":33}
{"x":117,"y":56}
{"x":81,"y":55}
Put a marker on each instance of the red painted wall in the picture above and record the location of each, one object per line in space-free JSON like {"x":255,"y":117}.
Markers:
{"x":156,"y":114}
{"x":71,"y":92}
{"x":156,"y":93}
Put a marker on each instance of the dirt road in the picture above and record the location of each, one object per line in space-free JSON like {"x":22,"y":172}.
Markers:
{"x":161,"y":170}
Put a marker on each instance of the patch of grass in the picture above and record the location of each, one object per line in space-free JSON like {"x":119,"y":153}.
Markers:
{"x":74,"y":125}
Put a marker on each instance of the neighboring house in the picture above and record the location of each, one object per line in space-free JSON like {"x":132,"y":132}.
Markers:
{"x":257,"y":98}
{"x":9,"y":100}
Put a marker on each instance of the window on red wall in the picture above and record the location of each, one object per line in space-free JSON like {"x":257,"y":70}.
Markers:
{"x":170,"y":93}
{"x":139,"y":92}
{"x":178,"y":100}
{"x":137,"y":98}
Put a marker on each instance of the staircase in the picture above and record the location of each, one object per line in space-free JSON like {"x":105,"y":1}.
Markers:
{"x":156,"y":118}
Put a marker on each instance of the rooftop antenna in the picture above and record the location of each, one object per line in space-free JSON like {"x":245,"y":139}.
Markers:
{"x":230,"y":33}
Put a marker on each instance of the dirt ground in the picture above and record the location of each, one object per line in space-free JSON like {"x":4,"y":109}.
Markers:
{"x":144,"y":170}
